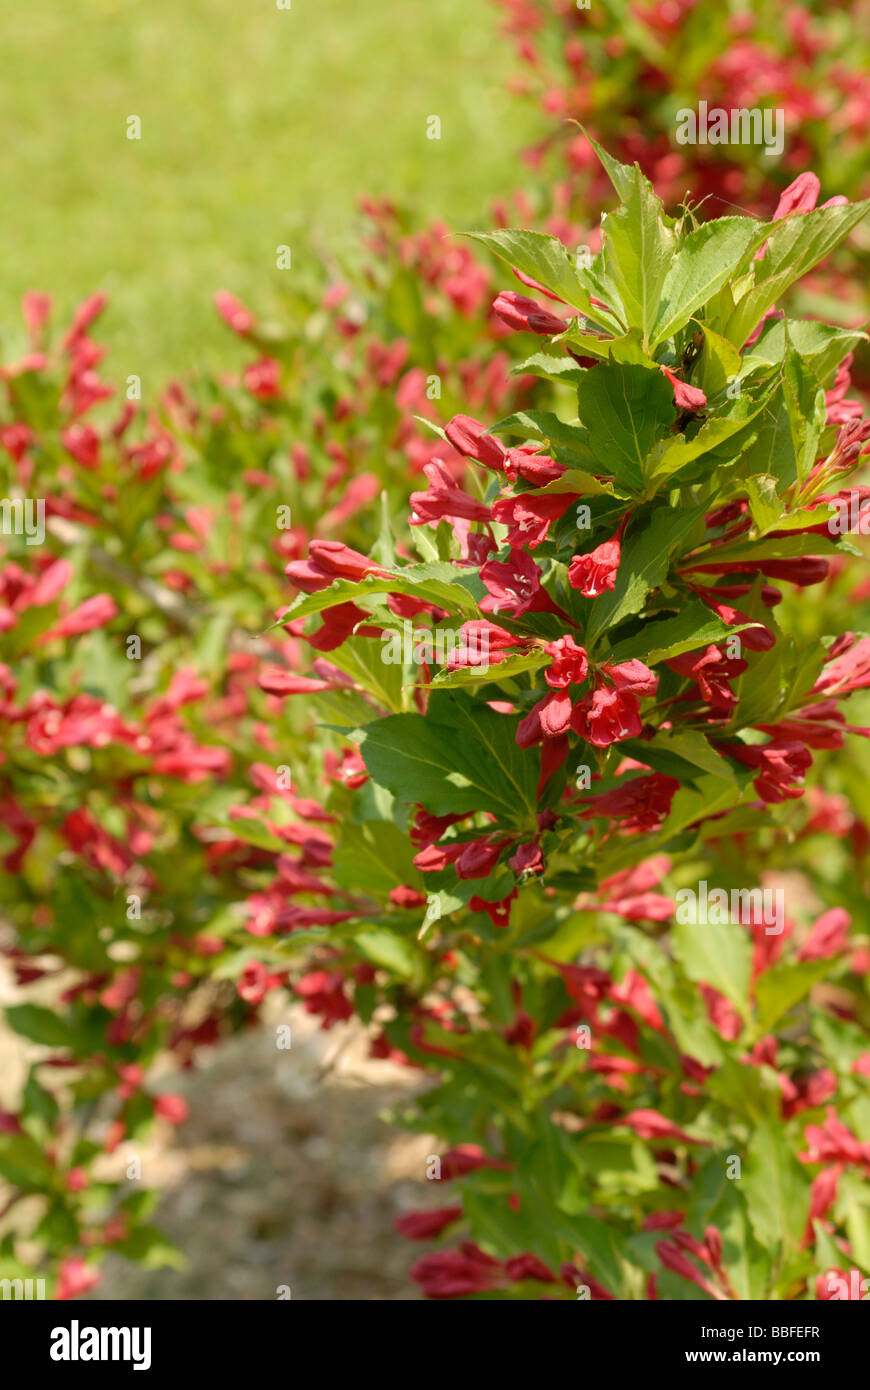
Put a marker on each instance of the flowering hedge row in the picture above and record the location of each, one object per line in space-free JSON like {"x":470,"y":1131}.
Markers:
{"x":179,"y":839}
{"x":145,"y":552}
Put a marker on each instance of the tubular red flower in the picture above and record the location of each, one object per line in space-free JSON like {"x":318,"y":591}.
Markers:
{"x":606,"y":716}
{"x":596,"y":572}
{"x":524,"y":314}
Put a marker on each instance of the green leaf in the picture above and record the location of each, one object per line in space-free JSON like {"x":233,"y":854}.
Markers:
{"x":374,"y":857}
{"x":771,"y":453}
{"x":23,"y":1163}
{"x":620,"y":175}
{"x":625,"y":347}
{"x":796,"y":244}
{"x":672,"y":454}
{"x":638,"y":249}
{"x":544,"y":259}
{"x":390,"y":951}
{"x":853,"y":1209}
{"x":708,"y":798}
{"x":508,"y":669}
{"x":362,"y":658}
{"x":692,"y":746}
{"x":807,"y":412}
{"x":625,"y":409}
{"x":577,"y":480}
{"x":150,"y":1248}
{"x":40,"y":1102}
{"x":39,"y":1025}
{"x":821,"y":345}
{"x":545,"y":426}
{"x":617,"y":1164}
{"x":777,"y":548}
{"x":719,"y":363}
{"x":462,"y":757}
{"x":550,"y":367}
{"x":434,"y":583}
{"x":776,"y":1188}
{"x":717,"y":954}
{"x":694,"y":626}
{"x":704,"y":261}
{"x":764,"y":501}
{"x":783,"y":986}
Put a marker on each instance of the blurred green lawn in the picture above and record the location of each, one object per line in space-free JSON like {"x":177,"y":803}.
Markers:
{"x":255,"y":122}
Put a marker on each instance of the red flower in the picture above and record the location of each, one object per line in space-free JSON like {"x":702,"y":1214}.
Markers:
{"x":234,"y":313}
{"x":594,"y":573}
{"x":832,"y":1142}
{"x":642,"y":803}
{"x":758,"y":637}
{"x":323,"y":992}
{"x":633,"y":676}
{"x":477,"y":859}
{"x":524,"y":314}
{"x":470,"y":439}
{"x":444,"y":499}
{"x":673,"y":1259}
{"x":83,"y":443}
{"x":606,"y":716}
{"x":467,"y":1158}
{"x":779,"y":764}
{"x":823,"y":1194}
{"x":685,"y":397}
{"x":809,"y":569}
{"x":499,"y":913}
{"x":92,"y":613}
{"x":529,"y":516}
{"x":35,"y":308}
{"x":801,"y":195}
{"x":828,"y":936}
{"x":74,"y":1277}
{"x":276,"y":681}
{"x":532,"y":466}
{"x":406,"y":897}
{"x":482,"y":641}
{"x":711,"y":672}
{"x":520,"y":1267}
{"x":514,"y":585}
{"x":649,"y":1124}
{"x":527,"y":859}
{"x":568,"y":663}
{"x":263,"y":378}
{"x":455,"y":1273}
{"x":84,"y":316}
{"x":171,"y":1107}
{"x":847,"y":667}
{"x":255,"y":982}
{"x":425,"y":1225}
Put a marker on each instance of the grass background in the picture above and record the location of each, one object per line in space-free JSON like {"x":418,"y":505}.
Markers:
{"x":256,"y":123}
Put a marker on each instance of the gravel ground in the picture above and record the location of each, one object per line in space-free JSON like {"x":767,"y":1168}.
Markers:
{"x":284,"y":1174}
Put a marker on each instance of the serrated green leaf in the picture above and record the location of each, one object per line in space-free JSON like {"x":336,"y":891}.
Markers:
{"x":462,"y":757}
{"x":776,"y":1188}
{"x":795,"y":245}
{"x":625,"y":410}
{"x":704,"y":260}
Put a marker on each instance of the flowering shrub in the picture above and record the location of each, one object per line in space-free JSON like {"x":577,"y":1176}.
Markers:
{"x":643,"y":1086}
{"x":627,"y":72}
{"x":143,"y":547}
